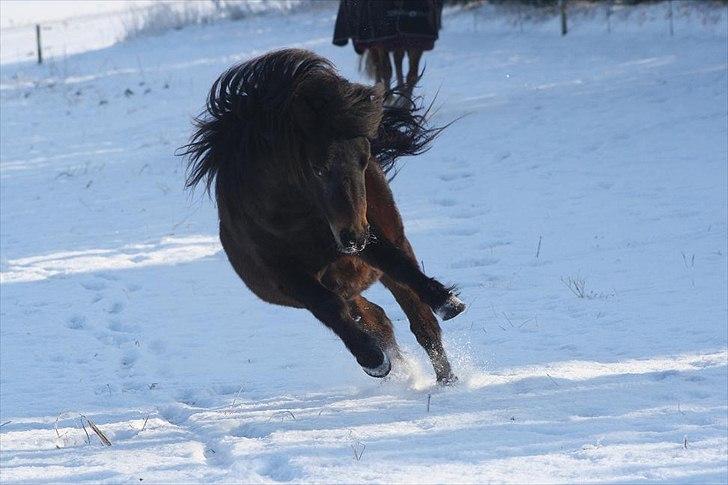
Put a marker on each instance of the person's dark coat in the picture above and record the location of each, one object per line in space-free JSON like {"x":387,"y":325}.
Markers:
{"x":390,"y":24}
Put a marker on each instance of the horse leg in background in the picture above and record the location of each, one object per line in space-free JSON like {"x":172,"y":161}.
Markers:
{"x":424,"y":326}
{"x":413,"y":72}
{"x":376,"y":323}
{"x":398,"y":55}
{"x":382,"y":67}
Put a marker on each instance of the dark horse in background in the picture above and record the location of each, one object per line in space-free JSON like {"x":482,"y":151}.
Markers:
{"x":378,"y":28}
{"x":297,"y":157}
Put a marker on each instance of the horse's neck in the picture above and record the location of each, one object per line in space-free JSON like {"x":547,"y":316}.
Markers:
{"x":279,"y":203}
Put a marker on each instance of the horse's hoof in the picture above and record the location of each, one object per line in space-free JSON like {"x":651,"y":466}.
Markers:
{"x":449,"y":380}
{"x":382,"y":369}
{"x":452,"y":307}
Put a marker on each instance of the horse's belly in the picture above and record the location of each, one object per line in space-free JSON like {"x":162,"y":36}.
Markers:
{"x":259,"y":279}
{"x":347,"y":276}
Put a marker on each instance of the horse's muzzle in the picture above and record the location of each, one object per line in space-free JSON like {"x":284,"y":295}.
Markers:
{"x":351,"y":243}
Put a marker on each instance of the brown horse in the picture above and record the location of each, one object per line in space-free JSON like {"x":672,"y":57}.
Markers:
{"x":297,"y":156}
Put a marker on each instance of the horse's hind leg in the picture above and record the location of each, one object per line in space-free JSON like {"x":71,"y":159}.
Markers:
{"x":376,"y":323}
{"x":425,"y":327}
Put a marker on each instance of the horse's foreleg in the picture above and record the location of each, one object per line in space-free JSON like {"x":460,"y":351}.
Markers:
{"x":416,"y":293}
{"x":403,"y":269}
{"x":335,"y":313}
{"x":376,"y":323}
{"x":390,"y":252}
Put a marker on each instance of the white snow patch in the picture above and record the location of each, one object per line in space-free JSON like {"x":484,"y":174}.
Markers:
{"x":168,"y":251}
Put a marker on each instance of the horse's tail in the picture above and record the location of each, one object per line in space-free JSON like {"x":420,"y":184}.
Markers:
{"x":367,"y":65}
{"x":404,"y":130}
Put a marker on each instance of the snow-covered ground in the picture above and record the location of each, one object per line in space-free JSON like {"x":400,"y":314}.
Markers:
{"x":597,"y":158}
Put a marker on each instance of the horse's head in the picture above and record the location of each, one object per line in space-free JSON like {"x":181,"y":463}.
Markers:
{"x":338,"y":187}
{"x":338,"y":119}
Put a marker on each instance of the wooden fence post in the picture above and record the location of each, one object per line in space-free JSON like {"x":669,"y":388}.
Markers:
{"x":520,"y":17}
{"x":562,"y":7}
{"x":609,"y":16}
{"x":37,"y":41}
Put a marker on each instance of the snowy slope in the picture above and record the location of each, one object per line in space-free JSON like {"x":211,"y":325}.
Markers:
{"x":596,"y":157}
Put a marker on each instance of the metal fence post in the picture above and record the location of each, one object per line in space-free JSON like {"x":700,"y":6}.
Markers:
{"x":562,"y":7}
{"x":37,"y":41}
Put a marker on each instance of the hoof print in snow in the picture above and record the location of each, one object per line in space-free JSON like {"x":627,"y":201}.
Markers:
{"x":115,"y":308}
{"x":76,"y":322}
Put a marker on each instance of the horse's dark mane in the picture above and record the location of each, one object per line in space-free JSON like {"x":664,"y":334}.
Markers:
{"x":253,"y":115}
{"x":246,"y":107}
{"x":403,"y":131}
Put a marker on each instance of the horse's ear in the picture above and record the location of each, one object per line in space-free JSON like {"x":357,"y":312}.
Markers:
{"x":370,"y":109}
